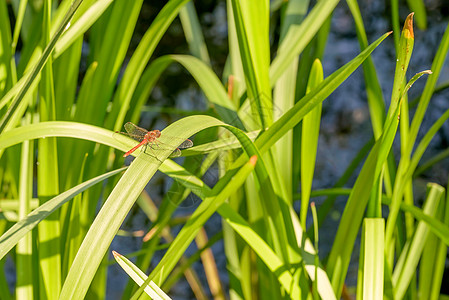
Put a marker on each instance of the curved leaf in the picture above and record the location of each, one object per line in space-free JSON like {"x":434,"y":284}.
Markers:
{"x":10,"y":238}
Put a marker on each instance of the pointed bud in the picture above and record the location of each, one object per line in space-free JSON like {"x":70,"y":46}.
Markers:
{"x":408,"y":27}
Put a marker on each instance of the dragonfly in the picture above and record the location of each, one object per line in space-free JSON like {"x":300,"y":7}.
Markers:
{"x":146,"y":138}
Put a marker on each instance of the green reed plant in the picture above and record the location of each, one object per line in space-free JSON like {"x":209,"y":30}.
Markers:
{"x":59,"y":241}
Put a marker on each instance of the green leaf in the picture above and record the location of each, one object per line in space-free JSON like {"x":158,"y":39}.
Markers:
{"x":374,"y":251}
{"x":410,"y":256}
{"x":251,"y":20}
{"x":292,"y":117}
{"x":78,"y":28}
{"x":120,"y":201}
{"x":31,"y":77}
{"x":10,"y":238}
{"x":245,"y":230}
{"x":309,"y":142}
{"x":298,"y":37}
{"x":139,"y":277}
{"x":139,"y":60}
{"x":192,"y":31}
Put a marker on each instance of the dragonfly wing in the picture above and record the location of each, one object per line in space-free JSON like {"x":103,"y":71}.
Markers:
{"x":133,"y":136}
{"x":160,"y":146}
{"x":186,"y":144}
{"x":176,"y":153}
{"x":135,"y":131}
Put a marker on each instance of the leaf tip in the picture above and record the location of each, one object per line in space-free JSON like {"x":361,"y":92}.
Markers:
{"x":150,"y":234}
{"x":408,"y":27}
{"x":253,"y":160}
{"x":116,"y":254}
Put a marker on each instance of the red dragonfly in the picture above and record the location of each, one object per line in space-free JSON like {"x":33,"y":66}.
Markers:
{"x":146,"y":138}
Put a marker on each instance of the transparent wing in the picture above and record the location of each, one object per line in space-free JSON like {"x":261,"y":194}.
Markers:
{"x":177,"y":152}
{"x":135,"y":131}
{"x":186,"y":144}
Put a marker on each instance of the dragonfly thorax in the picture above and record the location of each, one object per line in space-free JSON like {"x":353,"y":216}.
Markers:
{"x":152,"y":135}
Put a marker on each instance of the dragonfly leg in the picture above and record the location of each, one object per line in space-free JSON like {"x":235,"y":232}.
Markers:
{"x":151,"y":151}
{"x":157,"y":143}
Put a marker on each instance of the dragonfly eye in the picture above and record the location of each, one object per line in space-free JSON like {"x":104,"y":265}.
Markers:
{"x":157,"y":133}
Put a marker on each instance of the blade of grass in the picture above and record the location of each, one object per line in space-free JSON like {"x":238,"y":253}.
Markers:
{"x":61,"y":129}
{"x":431,"y":265}
{"x":192,"y":31}
{"x":440,"y":258}
{"x":352,"y":216}
{"x":139,"y":277}
{"x":403,"y":58}
{"x":7,"y":66}
{"x":138,"y":62}
{"x":373,"y":89}
{"x":373,"y":269}
{"x":297,"y":38}
{"x":36,"y":70}
{"x":309,"y":142}
{"x":4,"y":288}
{"x":10,"y":238}
{"x":251,"y":23}
{"x":24,"y":252}
{"x":419,"y":8}
{"x":120,"y":201}
{"x":173,"y":170}
{"x":284,"y":98}
{"x":195,"y":222}
{"x":78,"y":28}
{"x":49,"y":230}
{"x":402,"y":276}
{"x":210,"y":267}
{"x":431,"y":162}
{"x":66,"y":72}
